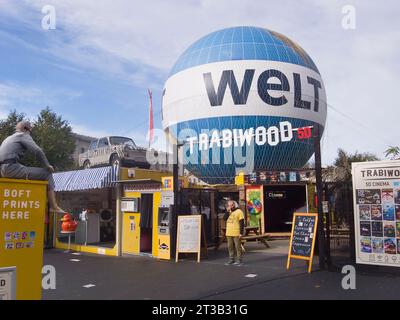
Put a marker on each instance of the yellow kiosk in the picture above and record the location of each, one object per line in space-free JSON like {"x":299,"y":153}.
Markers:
{"x":22,"y":215}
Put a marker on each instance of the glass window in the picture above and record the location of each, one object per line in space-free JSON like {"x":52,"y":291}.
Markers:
{"x":103,"y":143}
{"x":93,"y":145}
{"x":122,"y":140}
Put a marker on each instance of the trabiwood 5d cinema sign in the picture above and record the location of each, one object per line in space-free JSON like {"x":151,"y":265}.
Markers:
{"x":241,"y":90}
{"x":376,"y":187}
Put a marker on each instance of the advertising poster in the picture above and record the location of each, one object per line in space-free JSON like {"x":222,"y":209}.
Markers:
{"x":269,"y":177}
{"x":22,"y":209}
{"x":376,"y":187}
{"x":254,"y":205}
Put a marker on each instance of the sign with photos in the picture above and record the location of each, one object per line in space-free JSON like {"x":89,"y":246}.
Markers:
{"x":376,"y":188}
{"x":271,"y":177}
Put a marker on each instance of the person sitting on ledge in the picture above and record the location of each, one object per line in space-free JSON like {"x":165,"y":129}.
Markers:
{"x":13,"y":149}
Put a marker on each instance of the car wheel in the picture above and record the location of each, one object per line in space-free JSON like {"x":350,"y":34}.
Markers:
{"x":86,"y":164}
{"x":114,"y":160}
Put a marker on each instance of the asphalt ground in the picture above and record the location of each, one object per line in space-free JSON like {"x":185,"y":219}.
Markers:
{"x":264,"y":276}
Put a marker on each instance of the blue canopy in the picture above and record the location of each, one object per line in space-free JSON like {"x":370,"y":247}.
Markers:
{"x":94,"y":178}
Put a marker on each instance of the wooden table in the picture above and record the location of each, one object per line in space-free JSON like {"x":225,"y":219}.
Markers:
{"x":248,"y":230}
{"x":258,"y":237}
{"x":248,"y":236}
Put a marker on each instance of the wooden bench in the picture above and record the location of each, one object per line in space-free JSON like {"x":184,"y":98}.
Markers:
{"x":259,"y":237}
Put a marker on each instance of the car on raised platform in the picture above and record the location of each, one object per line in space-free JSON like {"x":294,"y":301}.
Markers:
{"x":114,"y":150}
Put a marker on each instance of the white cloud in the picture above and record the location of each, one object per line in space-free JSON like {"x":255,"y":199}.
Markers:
{"x":30,"y":99}
{"x":139,"y":137}
{"x":88,"y":131}
{"x":14,"y":96}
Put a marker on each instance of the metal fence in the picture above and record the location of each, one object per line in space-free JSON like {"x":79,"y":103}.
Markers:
{"x":339,"y":224}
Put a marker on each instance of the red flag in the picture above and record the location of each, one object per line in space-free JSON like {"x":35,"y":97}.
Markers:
{"x":151,"y":127}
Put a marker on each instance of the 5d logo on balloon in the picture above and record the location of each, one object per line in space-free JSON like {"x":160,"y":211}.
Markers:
{"x":243,"y":99}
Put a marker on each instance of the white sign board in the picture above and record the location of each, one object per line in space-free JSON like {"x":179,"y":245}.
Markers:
{"x":325,"y":206}
{"x":376,"y":193}
{"x":7,"y":283}
{"x":167,"y":198}
{"x":131,"y":173}
{"x":129,"y":205}
{"x":188,"y":238}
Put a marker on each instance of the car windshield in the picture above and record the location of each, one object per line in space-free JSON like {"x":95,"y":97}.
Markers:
{"x":121,"y":140}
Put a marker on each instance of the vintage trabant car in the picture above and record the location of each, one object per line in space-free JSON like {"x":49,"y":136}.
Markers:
{"x":114,"y":150}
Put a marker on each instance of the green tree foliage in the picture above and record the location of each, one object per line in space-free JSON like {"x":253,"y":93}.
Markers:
{"x":340,"y":178}
{"x":343,"y":161}
{"x":51,"y":133}
{"x":7,"y":126}
{"x":392,"y":152}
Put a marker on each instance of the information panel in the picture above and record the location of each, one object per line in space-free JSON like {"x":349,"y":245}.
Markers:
{"x":376,"y":188}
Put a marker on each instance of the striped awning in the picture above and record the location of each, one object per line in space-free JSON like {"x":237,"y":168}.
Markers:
{"x":87,"y":179}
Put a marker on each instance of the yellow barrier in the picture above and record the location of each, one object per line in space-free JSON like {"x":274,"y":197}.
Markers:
{"x":22,"y":214}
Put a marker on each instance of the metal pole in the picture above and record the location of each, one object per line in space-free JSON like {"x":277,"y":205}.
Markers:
{"x":350,"y":209}
{"x":328,"y":228}
{"x":175,"y":184}
{"x":318,"y":176}
{"x":119,"y":219}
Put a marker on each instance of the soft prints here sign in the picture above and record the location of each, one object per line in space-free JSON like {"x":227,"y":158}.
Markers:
{"x":17,"y":203}
{"x":376,"y":187}
{"x":22,"y":209}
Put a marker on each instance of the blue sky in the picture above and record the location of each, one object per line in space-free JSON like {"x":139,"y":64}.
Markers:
{"x":95,"y":67}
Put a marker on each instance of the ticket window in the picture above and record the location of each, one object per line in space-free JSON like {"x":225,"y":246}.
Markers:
{"x":131,"y":233}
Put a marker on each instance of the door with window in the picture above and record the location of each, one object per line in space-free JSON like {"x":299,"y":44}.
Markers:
{"x":131,"y":233}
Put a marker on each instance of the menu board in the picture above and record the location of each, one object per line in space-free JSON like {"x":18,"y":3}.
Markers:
{"x":377,"y":212}
{"x":188,"y":238}
{"x":303,"y":236}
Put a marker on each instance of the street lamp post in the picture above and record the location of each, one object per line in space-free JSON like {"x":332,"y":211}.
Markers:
{"x":175,"y":183}
{"x":318,"y":177}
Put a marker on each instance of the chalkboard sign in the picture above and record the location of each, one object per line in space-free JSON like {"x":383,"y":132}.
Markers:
{"x":189,"y":233}
{"x":303,"y":236}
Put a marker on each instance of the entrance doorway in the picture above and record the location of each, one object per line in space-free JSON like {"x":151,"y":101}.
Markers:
{"x":280,"y":202}
{"x":146,"y":223}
